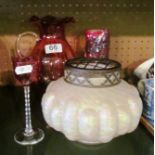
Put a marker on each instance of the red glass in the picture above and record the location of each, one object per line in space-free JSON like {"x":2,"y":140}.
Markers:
{"x":52,"y":34}
{"x":26,"y":78}
{"x":97,"y":43}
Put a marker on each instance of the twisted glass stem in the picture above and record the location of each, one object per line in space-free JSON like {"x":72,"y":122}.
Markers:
{"x":28,"y":123}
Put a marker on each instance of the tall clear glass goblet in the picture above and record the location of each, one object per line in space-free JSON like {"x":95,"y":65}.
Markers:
{"x":26,"y":71}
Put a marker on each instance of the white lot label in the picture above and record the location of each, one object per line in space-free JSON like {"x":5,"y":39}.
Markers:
{"x":53,"y":48}
{"x":23,"y":69}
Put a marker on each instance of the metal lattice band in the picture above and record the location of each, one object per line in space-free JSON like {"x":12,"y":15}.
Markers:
{"x":90,"y":72}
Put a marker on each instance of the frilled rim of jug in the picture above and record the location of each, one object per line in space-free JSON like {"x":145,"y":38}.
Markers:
{"x":51,"y":20}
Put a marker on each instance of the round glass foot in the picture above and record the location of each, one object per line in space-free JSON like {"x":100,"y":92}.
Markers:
{"x":22,"y":139}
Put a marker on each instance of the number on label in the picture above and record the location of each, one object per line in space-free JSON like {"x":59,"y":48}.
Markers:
{"x":53,"y":48}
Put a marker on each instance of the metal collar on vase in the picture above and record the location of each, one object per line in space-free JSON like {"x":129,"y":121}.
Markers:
{"x":92,"y":72}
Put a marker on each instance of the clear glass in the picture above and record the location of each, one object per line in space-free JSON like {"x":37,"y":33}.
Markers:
{"x":28,"y":135}
{"x":26,"y":71}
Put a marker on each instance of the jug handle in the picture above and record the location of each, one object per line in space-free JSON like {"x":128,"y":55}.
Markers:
{"x":29,"y":33}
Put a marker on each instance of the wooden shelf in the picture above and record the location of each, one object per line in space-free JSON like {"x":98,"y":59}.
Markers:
{"x":148,"y":126}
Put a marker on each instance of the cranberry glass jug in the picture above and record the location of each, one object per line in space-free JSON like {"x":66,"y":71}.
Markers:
{"x":52,"y":48}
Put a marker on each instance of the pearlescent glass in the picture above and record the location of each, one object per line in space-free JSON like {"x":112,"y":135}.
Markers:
{"x":91,"y":115}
